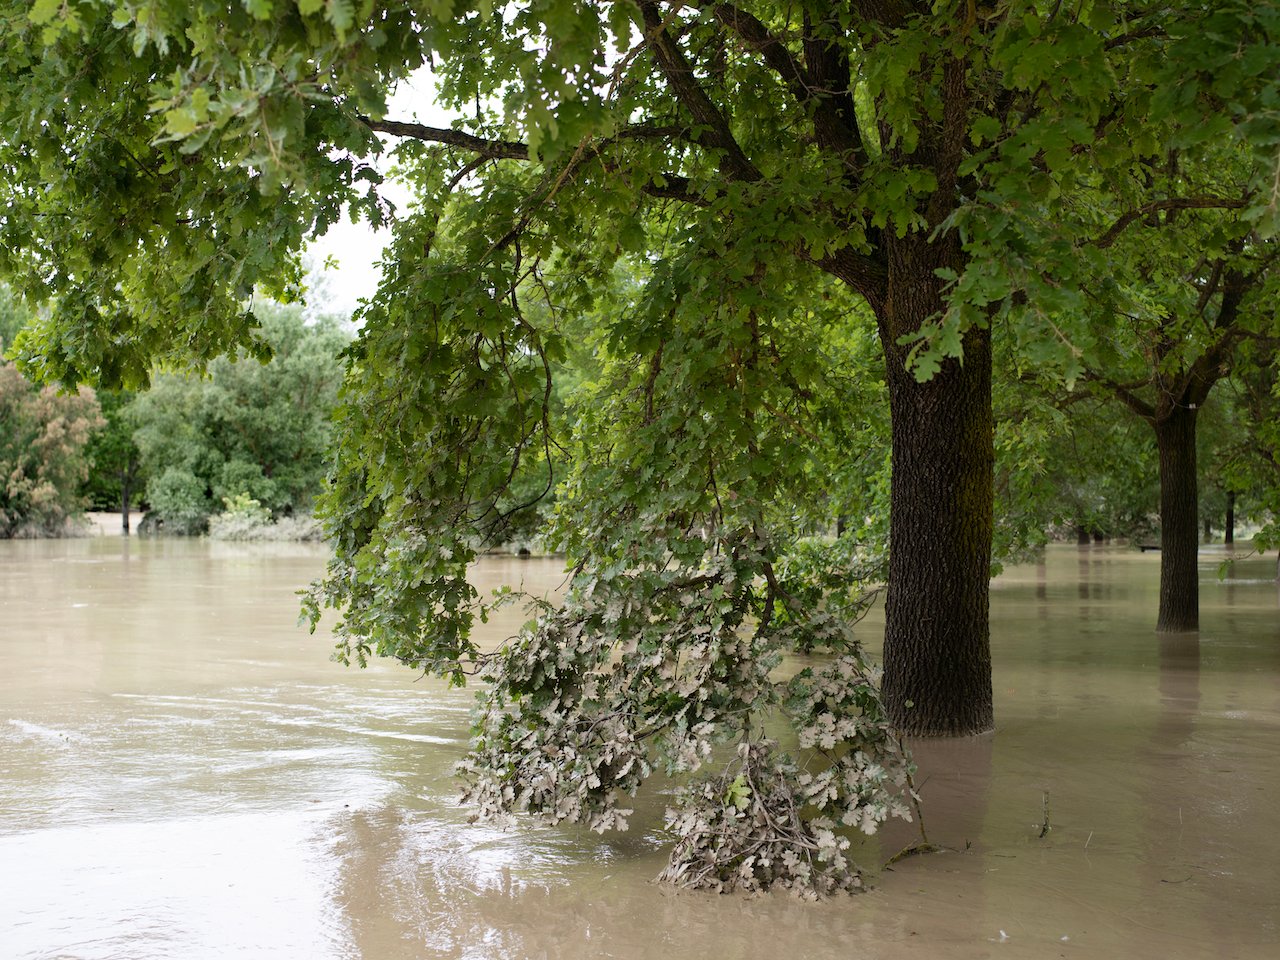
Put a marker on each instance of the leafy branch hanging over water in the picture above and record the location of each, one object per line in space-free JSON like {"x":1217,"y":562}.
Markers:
{"x":687,"y":462}
{"x":655,"y":667}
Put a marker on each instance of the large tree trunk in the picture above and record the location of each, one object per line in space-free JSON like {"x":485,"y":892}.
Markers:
{"x":1179,"y":509}
{"x":1229,"y":528}
{"x":937,"y":655}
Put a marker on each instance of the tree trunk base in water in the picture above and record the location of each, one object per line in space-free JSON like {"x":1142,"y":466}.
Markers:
{"x":937,"y":656}
{"x":1179,"y":509}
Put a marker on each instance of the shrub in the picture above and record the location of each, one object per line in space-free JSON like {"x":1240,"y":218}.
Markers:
{"x":178,"y":499}
{"x":246,"y":519}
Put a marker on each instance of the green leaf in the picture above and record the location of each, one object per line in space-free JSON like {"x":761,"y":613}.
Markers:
{"x":341,"y":14}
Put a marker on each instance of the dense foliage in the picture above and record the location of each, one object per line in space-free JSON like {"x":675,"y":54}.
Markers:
{"x":13,"y":317}
{"x":43,"y":460}
{"x":243,"y":428}
{"x":115,"y":474}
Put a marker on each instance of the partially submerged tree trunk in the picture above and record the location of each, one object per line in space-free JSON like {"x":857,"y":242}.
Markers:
{"x":124,"y":503}
{"x":1179,"y":545}
{"x":1229,"y":527}
{"x":127,"y":477}
{"x":937,"y":654}
{"x":1180,"y":390}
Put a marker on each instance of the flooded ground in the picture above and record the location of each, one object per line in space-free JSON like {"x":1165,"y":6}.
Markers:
{"x":184,"y":774}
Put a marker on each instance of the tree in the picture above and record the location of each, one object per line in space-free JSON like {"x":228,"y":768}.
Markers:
{"x":244,"y":427}
{"x":42,"y":454}
{"x":745,"y":121}
{"x":116,"y":462}
{"x":1185,"y":287}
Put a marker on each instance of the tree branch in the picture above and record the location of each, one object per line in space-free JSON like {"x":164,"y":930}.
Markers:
{"x":1125,"y":393}
{"x":831,"y":126}
{"x":1214,"y":363}
{"x":951,"y":140}
{"x":836,"y":123}
{"x":747,"y":28}
{"x":674,"y":186}
{"x":1209,"y":289}
{"x":715,"y":134}
{"x":496,"y":149}
{"x":865,"y":275}
{"x":1145,"y":34}
{"x":1170,"y":203}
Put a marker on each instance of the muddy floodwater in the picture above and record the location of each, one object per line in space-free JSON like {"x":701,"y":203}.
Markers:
{"x":185,"y":774}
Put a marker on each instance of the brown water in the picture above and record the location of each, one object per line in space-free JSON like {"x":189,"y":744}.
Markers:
{"x":184,"y":774}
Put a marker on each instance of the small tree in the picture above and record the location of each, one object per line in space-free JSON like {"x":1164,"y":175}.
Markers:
{"x":43,"y":458}
{"x":115,"y":471}
{"x":179,"y":500}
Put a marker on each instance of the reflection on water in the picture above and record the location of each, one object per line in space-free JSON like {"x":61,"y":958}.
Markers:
{"x":184,"y":774}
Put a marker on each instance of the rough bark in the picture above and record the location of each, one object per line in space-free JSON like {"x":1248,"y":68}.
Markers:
{"x":1179,"y":508}
{"x":937,"y":656}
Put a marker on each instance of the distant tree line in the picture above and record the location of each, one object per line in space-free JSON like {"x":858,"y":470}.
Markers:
{"x":240,"y":432}
{"x":1068,"y":465}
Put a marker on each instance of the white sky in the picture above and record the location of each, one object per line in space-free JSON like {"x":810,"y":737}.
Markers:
{"x":356,"y":246}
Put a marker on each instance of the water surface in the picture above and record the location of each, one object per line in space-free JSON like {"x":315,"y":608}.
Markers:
{"x":185,"y":774}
